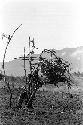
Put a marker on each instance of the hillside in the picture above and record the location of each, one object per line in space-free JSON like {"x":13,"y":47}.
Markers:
{"x":73,"y":55}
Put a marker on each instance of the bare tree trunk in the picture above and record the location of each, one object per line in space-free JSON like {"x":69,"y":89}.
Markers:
{"x":10,"y":91}
{"x":35,"y":87}
{"x":28,"y":96}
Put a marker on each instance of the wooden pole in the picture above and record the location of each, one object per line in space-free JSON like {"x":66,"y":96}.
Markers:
{"x":25,"y":68}
{"x":30,"y":57}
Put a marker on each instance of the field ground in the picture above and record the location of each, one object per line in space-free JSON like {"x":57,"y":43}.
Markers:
{"x":51,"y":106}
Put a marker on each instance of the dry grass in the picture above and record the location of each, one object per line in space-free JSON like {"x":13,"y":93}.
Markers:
{"x":53,"y":106}
{"x":50,"y":108}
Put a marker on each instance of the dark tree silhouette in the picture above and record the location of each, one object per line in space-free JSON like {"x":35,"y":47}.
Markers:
{"x":53,"y":71}
{"x":56,"y":69}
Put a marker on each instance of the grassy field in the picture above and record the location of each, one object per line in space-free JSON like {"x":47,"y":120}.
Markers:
{"x":56,"y":107}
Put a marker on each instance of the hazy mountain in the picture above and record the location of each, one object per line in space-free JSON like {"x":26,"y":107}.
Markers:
{"x":73,"y":55}
{"x":16,"y":67}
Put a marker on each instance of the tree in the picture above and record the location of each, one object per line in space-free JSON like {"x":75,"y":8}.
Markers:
{"x":52,"y":71}
{"x":9,"y":38}
{"x":55,"y":69}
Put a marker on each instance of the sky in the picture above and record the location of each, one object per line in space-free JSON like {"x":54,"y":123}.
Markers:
{"x":52,"y":23}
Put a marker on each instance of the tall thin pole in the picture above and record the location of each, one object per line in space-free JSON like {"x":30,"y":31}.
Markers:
{"x":25,"y":67}
{"x":24,"y":61}
{"x":24,"y":58}
{"x":30,"y":57}
{"x":9,"y":39}
{"x":30,"y":52}
{"x":3,"y":66}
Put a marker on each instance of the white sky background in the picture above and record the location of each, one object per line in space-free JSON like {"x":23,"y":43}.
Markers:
{"x":53,"y":24}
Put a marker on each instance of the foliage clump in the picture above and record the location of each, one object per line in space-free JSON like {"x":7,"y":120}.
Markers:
{"x":55,"y":69}
{"x":52,"y":71}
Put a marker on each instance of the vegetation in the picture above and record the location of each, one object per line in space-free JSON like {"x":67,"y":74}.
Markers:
{"x":54,"y":71}
{"x":30,"y":106}
{"x":49,"y":108}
